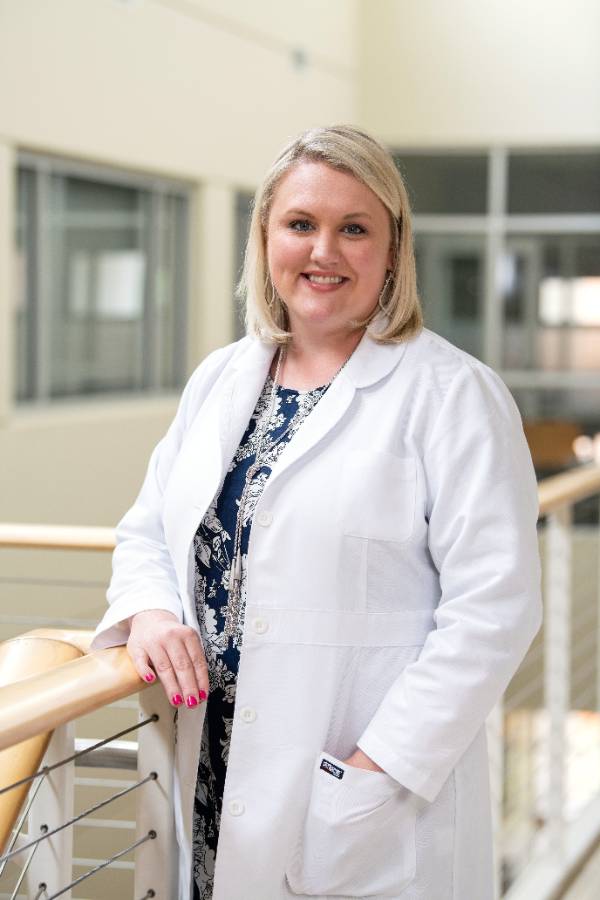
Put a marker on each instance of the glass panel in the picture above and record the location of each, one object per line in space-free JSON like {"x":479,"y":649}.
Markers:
{"x":450,"y":272}
{"x":98,"y":239}
{"x":551,"y":295}
{"x":24,"y":289}
{"x":243,"y":213}
{"x":171,"y":290}
{"x":554,"y":183}
{"x":450,"y":184}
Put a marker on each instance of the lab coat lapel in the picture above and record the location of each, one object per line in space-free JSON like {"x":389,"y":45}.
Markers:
{"x":246,"y":384}
{"x":369,"y":363}
{"x":326,"y":414}
{"x":227,"y":420}
{"x":206,"y":455}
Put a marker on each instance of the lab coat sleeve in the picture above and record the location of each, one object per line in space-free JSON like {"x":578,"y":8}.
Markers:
{"x":482,"y":510}
{"x":143,"y":576}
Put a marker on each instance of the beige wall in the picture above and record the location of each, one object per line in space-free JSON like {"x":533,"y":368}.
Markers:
{"x":468,"y":72}
{"x":204,"y":91}
{"x":195,"y":89}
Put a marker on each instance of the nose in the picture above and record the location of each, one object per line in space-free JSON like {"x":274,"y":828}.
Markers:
{"x":325,"y":251}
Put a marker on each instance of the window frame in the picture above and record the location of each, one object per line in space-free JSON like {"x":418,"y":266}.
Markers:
{"x":495,"y":227}
{"x":159,"y":191}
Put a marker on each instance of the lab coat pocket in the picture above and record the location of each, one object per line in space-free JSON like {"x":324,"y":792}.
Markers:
{"x":378,"y":495}
{"x":358,"y":837}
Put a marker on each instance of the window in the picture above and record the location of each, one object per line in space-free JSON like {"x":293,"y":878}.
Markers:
{"x":508,"y":264}
{"x":101,"y":281}
{"x":445,"y":183}
{"x":554,"y":182}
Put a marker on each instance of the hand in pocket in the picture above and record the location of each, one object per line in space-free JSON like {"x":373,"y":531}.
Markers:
{"x":358,"y":837}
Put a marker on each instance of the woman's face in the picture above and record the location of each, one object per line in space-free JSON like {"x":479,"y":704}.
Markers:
{"x":328,"y":247}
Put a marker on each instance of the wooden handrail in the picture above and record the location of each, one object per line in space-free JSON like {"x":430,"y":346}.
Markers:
{"x":47,"y":678}
{"x":42,"y":702}
{"x":57,"y":537}
{"x":33,"y":705}
{"x":568,"y":487}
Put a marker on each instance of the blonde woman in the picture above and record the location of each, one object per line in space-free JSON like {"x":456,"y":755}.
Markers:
{"x":332,"y":564}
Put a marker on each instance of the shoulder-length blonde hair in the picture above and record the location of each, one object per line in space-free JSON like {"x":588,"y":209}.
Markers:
{"x":345,"y":148}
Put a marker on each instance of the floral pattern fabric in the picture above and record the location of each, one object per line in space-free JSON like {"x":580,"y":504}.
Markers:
{"x":213,"y":549}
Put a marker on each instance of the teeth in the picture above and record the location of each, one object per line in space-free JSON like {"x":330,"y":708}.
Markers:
{"x":325,"y":279}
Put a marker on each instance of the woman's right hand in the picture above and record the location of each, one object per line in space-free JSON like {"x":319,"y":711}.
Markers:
{"x":159,"y":645}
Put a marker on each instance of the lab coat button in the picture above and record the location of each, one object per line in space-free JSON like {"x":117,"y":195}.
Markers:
{"x":248,"y":714}
{"x":264,"y":518}
{"x":260,"y":625}
{"x":236,"y":807}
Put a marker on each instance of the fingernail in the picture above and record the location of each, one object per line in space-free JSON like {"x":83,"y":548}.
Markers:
{"x":202,"y":695}
{"x":149,"y":676}
{"x":191,"y":701}
{"x":176,"y":699}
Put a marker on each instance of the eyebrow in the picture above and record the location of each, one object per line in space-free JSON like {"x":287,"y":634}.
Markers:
{"x":353,"y":215}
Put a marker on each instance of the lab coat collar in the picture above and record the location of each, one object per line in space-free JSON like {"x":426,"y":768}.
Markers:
{"x":368,"y":364}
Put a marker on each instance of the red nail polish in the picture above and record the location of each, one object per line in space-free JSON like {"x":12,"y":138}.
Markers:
{"x":191,"y":701}
{"x":202,"y":695}
{"x":149,"y":676}
{"x":177,"y":699}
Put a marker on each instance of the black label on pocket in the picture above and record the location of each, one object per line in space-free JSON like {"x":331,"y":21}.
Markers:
{"x":331,"y":768}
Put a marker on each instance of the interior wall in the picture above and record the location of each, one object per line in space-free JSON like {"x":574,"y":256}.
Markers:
{"x":199,"y":90}
{"x":472,"y":73}
{"x":192,"y":88}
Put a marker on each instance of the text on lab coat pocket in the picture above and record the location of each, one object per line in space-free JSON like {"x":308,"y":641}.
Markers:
{"x":358,"y":837}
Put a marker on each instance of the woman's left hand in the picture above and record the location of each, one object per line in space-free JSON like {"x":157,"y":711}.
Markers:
{"x":362,"y":761}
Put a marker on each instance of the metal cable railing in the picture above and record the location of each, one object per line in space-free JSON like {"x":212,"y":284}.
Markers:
{"x":45,"y":770}
{"x":151,"y":836}
{"x":97,"y":678}
{"x":47,"y":832}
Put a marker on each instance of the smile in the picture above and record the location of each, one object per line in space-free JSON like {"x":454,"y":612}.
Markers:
{"x":324,"y":279}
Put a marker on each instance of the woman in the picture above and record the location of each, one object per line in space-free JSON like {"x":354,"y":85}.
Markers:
{"x":336,"y":542}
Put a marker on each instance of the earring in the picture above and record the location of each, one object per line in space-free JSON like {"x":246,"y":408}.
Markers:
{"x":272,"y":295}
{"x":384,"y":306}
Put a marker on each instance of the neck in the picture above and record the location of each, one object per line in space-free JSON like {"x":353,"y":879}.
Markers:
{"x":313,"y":360}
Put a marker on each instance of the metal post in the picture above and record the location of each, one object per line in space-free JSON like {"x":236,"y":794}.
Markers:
{"x":495,"y":740}
{"x":52,"y":861}
{"x":558,"y":570}
{"x":598,"y":608}
{"x":156,"y":861}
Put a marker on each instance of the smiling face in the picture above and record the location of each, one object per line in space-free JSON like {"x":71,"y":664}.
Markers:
{"x":328,"y":247}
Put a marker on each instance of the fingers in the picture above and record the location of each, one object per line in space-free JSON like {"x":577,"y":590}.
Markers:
{"x":141,"y":662}
{"x":197,"y":659}
{"x":178,"y":673}
{"x":174,"y":652}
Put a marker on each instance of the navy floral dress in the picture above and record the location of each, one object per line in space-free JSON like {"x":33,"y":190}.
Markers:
{"x":213,"y":547}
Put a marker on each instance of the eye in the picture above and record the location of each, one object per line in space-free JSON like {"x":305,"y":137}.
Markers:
{"x":299,"y":222}
{"x":361,"y":230}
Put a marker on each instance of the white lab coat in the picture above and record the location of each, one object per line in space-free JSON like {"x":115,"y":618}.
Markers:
{"x":393,"y":588}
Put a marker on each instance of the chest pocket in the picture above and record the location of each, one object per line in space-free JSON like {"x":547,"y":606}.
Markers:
{"x":378,"y":495}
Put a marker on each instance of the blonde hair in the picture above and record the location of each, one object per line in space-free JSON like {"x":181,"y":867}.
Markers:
{"x":347,"y":149}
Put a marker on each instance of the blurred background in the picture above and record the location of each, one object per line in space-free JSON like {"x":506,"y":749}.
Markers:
{"x":133,"y":134}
